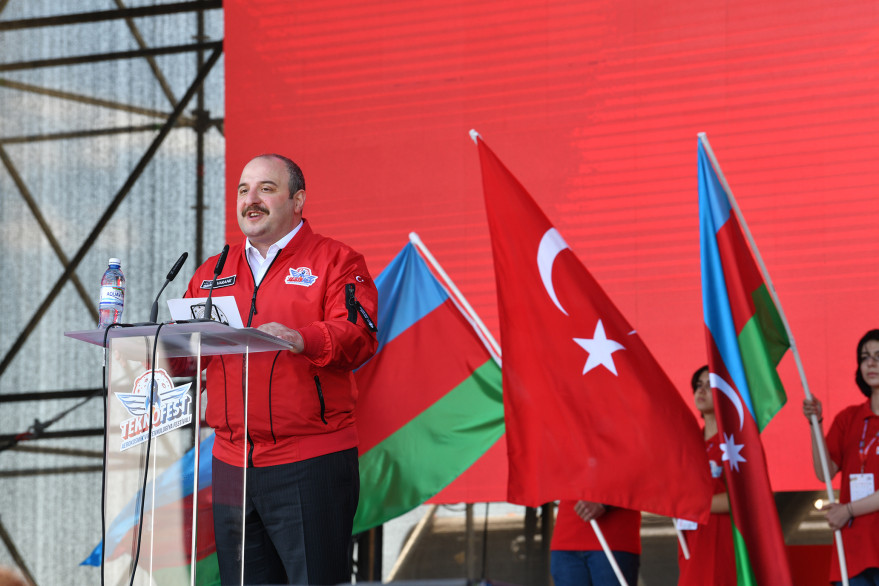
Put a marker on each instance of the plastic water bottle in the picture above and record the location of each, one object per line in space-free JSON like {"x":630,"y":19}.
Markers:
{"x":112,"y":294}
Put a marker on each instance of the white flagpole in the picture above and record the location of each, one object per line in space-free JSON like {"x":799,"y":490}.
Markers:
{"x":682,"y":539}
{"x":608,"y":553}
{"x":466,"y":309}
{"x":814,"y":424}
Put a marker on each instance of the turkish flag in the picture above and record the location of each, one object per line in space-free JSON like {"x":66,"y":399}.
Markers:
{"x":589,"y":413}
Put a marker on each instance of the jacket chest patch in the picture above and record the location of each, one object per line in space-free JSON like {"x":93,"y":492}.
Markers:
{"x":224,"y":282}
{"x":301,"y":276}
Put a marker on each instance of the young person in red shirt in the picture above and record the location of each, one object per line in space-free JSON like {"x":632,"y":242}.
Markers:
{"x":712,"y":554}
{"x":853,"y":449}
{"x":576,"y":557}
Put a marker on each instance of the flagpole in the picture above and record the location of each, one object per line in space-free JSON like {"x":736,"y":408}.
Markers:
{"x":682,"y":539}
{"x":813,"y":420}
{"x":608,"y":553}
{"x":414,"y":538}
{"x":491,"y":344}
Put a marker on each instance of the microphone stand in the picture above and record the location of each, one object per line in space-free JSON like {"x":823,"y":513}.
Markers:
{"x":208,"y":307}
{"x":154,"y":311}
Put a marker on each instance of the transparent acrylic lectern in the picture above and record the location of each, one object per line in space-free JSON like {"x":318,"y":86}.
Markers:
{"x":163,"y":549}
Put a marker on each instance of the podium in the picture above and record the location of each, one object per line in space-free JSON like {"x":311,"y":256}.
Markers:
{"x":157,"y":481}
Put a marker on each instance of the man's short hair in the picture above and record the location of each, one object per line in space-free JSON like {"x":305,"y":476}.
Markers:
{"x":295,"y":178}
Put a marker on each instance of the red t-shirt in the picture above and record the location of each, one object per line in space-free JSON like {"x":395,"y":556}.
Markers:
{"x":861,"y":538}
{"x":712,"y":554}
{"x":621,"y":529}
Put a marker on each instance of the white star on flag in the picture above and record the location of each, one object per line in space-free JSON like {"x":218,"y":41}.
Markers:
{"x":732,"y":452}
{"x":599,"y":349}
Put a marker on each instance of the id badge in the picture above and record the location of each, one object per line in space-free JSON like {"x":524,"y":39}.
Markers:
{"x":684,"y":525}
{"x":861,"y":485}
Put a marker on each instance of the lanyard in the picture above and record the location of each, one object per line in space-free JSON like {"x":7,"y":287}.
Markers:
{"x":864,"y":450}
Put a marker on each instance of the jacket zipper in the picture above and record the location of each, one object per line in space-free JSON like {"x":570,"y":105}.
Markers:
{"x":320,"y":397}
{"x":253,"y":312}
{"x":354,"y":308}
{"x":249,"y":439}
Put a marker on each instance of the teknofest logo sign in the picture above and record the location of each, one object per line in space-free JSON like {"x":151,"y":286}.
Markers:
{"x":172,"y":407}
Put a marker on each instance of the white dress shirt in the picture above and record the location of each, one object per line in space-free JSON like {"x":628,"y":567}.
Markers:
{"x":258,"y":264}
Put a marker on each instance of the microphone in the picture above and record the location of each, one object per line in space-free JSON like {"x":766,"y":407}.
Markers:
{"x":208,"y":307}
{"x":154,"y":312}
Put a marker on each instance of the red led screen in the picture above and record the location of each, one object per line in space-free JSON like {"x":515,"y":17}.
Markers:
{"x":595,"y":107}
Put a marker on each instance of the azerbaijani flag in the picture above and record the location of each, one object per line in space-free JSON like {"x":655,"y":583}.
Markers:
{"x":430,"y":401}
{"x":173,"y":502}
{"x":429,"y":406}
{"x":746,"y":339}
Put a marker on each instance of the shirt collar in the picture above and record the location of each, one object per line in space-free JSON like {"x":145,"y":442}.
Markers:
{"x":866,"y":409}
{"x":274,"y":248}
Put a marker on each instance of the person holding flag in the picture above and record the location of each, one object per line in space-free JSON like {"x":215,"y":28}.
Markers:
{"x":853,"y":448}
{"x":576,"y":557}
{"x":712,"y":553}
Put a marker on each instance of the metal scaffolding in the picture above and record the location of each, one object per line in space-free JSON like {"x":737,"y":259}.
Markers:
{"x":39,"y":382}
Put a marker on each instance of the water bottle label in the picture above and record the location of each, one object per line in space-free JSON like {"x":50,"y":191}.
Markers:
{"x":112,"y":295}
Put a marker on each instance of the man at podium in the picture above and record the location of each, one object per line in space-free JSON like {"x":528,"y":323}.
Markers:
{"x":300,"y":450}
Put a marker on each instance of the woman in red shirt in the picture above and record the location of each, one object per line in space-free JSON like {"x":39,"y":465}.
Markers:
{"x":712,"y":555}
{"x":853,"y":449}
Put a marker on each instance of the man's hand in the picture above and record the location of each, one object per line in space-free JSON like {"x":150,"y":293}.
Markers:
{"x":285,"y":333}
{"x":588,"y":511}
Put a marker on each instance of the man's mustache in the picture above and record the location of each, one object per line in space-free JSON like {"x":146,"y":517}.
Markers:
{"x":254,"y":208}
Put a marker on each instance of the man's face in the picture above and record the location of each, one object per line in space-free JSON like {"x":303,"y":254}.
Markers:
{"x":266,"y":212}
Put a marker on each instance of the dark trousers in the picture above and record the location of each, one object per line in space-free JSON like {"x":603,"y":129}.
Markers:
{"x":591,"y":568}
{"x":298,"y":521}
{"x":869,"y":577}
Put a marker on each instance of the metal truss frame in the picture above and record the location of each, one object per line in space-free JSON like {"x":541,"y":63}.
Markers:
{"x":207,"y":55}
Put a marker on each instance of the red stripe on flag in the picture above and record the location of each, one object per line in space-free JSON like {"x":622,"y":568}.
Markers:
{"x":750,"y":493}
{"x":740,"y":272}
{"x":484,"y":481}
{"x":437,"y":353}
{"x":172,"y":544}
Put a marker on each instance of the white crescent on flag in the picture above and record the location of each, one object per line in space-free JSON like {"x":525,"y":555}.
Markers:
{"x":724,"y":387}
{"x":551,"y":244}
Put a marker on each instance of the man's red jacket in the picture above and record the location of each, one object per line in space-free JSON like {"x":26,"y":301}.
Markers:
{"x":300,"y":405}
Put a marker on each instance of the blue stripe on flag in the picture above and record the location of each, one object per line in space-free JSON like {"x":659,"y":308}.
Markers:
{"x":714,"y":207}
{"x":407,"y":291}
{"x":174,"y":484}
{"x":709,"y":184}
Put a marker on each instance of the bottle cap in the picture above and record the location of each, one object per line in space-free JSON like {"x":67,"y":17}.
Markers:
{"x":115,"y":261}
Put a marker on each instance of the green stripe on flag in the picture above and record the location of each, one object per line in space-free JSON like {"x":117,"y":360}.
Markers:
{"x":763,"y":342}
{"x":770,"y":323}
{"x":207,"y":573}
{"x":430,"y":451}
{"x":744,"y":572}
